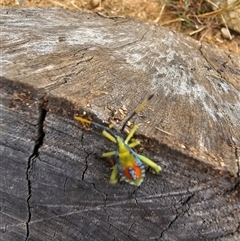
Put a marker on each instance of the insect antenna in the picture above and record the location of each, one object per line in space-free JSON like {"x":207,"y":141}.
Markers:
{"x":136,"y":111}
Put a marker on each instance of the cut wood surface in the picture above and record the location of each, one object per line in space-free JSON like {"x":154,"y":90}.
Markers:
{"x":54,"y":185}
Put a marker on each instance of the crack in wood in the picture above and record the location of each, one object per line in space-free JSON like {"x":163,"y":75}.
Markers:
{"x":211,"y":65}
{"x":133,"y":42}
{"x":35,"y":153}
{"x":178,"y":215}
{"x":65,"y":183}
{"x":29,"y":166}
{"x":86,"y":158}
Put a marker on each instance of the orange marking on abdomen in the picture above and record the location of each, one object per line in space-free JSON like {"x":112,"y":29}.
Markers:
{"x":137,"y":171}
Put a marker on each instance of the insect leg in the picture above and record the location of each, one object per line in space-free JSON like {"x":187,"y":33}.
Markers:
{"x":131,"y":133}
{"x":114,"y":174}
{"x":110,"y":153}
{"x":134,"y":143}
{"x":156,"y":168}
{"x":82,"y":120}
{"x":109,"y":136}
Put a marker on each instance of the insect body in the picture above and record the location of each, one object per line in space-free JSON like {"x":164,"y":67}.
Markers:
{"x":127,"y":163}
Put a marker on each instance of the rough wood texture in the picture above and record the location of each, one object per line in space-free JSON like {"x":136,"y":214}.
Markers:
{"x":54,"y":186}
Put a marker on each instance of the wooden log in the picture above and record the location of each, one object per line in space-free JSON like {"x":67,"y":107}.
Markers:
{"x":54,"y":185}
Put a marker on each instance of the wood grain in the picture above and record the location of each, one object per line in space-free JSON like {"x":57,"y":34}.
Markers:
{"x":54,"y":185}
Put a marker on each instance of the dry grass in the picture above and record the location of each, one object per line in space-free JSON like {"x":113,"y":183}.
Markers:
{"x":190,"y":17}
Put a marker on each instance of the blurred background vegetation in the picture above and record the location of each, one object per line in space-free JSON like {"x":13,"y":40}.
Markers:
{"x":216,"y":22}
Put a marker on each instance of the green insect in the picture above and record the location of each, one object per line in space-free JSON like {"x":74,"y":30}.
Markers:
{"x":127,"y":163}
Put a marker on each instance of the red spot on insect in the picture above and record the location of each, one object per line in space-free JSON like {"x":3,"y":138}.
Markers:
{"x":133,"y":173}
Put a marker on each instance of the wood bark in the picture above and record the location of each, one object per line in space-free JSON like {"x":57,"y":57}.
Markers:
{"x":54,"y":185}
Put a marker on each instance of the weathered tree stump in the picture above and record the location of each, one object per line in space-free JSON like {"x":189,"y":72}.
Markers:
{"x":54,"y":185}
